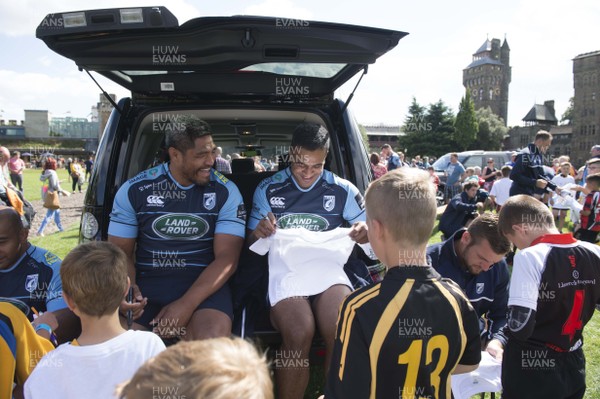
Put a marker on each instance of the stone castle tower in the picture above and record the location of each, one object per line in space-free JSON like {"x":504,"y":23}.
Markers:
{"x":488,"y":76}
{"x":586,"y":105}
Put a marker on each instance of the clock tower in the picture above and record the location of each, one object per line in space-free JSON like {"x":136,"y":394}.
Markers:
{"x":488,"y":76}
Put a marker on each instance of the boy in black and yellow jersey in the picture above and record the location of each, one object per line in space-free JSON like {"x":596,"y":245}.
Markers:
{"x":405,"y":336}
{"x":20,"y":348}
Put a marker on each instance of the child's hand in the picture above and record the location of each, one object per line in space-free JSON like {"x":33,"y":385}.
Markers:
{"x":495,"y":349}
{"x":358,"y":232}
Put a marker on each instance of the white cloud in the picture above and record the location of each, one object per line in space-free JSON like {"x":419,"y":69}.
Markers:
{"x":73,"y":93}
{"x":278,"y":8}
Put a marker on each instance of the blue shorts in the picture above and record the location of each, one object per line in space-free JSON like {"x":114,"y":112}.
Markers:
{"x":162,"y":287}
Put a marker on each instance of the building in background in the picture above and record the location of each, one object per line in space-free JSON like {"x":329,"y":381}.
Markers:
{"x":488,"y":76}
{"x":103,"y":110}
{"x":379,"y":135}
{"x":541,"y":114}
{"x":37,"y":124}
{"x":11,"y":129}
{"x":541,"y":117}
{"x":73,"y":128}
{"x":586,"y":105}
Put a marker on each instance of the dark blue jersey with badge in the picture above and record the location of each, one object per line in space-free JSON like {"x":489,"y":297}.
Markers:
{"x":487,"y":291}
{"x":34,"y":279}
{"x":175,"y":225}
{"x":328,"y":203}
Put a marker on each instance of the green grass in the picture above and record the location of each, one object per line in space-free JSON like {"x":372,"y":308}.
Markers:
{"x":43,"y":145}
{"x":32,"y":186}
{"x":59,"y":243}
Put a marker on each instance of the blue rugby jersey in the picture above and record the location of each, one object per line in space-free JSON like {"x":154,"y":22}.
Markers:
{"x":327,"y":204}
{"x":34,"y":279}
{"x":175,"y":225}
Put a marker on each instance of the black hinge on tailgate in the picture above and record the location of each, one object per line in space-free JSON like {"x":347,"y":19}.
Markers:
{"x":365,"y":70}
{"x":108,"y":97}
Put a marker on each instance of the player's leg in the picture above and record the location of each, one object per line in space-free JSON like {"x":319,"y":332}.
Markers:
{"x":555,"y":214}
{"x":207,"y":323}
{"x":213,"y":317}
{"x":293,"y":318}
{"x":562,"y":213}
{"x":326,"y":307}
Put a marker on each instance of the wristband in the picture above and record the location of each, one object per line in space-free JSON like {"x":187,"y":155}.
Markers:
{"x":46,"y":327}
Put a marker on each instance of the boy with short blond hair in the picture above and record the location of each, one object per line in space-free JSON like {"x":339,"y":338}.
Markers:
{"x":387,"y":333}
{"x":95,"y":281}
{"x":217,"y":368}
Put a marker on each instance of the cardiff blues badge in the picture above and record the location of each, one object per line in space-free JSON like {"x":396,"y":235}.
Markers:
{"x":210,"y":200}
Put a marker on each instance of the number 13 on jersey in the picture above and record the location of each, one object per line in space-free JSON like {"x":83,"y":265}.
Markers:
{"x":412,"y":358}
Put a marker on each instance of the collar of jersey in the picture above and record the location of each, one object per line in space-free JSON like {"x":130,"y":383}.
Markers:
{"x":304,"y":190}
{"x":455,"y":261}
{"x":561,"y":239}
{"x":168,"y":171}
{"x":415,"y":272}
{"x":14,"y":266}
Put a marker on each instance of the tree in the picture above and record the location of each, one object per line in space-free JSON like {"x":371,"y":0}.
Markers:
{"x":415,"y":118}
{"x":430,"y":134}
{"x":569,"y":112}
{"x":365,"y":137}
{"x":466,"y":126}
{"x":491,"y":130}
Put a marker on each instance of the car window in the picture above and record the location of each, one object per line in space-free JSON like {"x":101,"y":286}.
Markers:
{"x":473,"y":160}
{"x":269,"y":139}
{"x":499,"y":161}
{"x":442,"y":163}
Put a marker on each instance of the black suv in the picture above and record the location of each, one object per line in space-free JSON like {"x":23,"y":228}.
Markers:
{"x":253,"y":79}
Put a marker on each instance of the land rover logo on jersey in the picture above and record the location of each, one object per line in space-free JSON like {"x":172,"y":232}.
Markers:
{"x":210,"y":199}
{"x":180,"y":226}
{"x":307,"y":220}
{"x":329,"y":202}
{"x":479,"y":287}
{"x":31,"y":282}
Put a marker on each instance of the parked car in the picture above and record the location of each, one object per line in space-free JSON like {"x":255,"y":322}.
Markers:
{"x":253,"y":79}
{"x":470,"y":158}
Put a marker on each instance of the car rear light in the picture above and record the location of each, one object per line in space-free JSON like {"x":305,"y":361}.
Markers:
{"x":94,"y":21}
{"x":131,"y":16}
{"x":74,"y":20}
{"x":89,"y":226}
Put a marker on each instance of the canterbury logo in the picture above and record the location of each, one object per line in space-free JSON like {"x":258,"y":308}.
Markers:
{"x":277,"y":202}
{"x":155,"y":200}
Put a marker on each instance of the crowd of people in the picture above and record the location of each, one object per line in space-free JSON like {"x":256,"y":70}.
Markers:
{"x":438,"y":307}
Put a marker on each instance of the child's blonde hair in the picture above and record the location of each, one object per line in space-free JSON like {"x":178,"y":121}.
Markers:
{"x":403,"y":200}
{"x":94,"y":276}
{"x":218,"y":368}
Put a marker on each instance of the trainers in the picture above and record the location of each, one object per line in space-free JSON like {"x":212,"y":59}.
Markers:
{"x":39,"y":234}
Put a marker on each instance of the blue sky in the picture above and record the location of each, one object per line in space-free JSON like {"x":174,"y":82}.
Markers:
{"x":544,"y":37}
